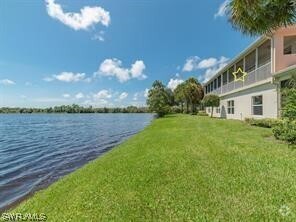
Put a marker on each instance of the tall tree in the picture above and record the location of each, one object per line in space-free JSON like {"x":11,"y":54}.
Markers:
{"x":212,"y":101}
{"x":179,"y":95}
{"x":171,"y":98}
{"x":194,"y":92}
{"x":158,"y":99}
{"x":256,"y":17}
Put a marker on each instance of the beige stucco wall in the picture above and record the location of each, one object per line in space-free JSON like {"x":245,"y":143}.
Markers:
{"x":283,"y":61}
{"x":243,"y":103}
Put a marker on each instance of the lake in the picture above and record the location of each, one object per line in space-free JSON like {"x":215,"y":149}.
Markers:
{"x":38,"y":149}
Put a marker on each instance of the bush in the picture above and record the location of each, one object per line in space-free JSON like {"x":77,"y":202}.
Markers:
{"x":266,"y":123}
{"x":175,"y":109}
{"x":289,"y":104}
{"x":285,"y":130}
{"x":202,"y":113}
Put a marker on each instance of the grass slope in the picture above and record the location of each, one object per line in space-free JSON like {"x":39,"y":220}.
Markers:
{"x":180,"y":168}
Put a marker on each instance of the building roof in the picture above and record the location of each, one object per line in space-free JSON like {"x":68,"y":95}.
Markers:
{"x":286,"y":70}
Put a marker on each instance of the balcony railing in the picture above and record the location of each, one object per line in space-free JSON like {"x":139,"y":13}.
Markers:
{"x":263,"y":72}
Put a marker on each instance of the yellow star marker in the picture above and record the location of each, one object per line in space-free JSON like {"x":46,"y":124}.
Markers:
{"x":241,"y":73}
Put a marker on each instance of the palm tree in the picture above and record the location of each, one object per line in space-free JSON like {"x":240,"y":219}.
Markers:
{"x":195,"y":93}
{"x":179,"y":94}
{"x":255,"y":17}
{"x":212,"y":101}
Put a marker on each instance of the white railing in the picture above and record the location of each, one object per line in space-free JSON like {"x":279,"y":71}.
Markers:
{"x":263,"y":72}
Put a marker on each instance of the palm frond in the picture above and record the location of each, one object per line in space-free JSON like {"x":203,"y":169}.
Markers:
{"x":257,"y":17}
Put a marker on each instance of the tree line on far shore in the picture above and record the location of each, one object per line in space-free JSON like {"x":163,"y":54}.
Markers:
{"x":75,"y":109}
{"x":187,"y":97}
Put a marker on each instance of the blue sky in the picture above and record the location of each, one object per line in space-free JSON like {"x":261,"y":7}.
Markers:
{"x":108,"y":52}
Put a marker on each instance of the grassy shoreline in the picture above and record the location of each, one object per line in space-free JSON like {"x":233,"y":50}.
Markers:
{"x":179,"y":168}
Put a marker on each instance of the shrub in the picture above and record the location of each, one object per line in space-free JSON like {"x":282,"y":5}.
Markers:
{"x":289,"y":104}
{"x":202,"y":113}
{"x":285,"y":130}
{"x":176,"y":109}
{"x":266,"y":123}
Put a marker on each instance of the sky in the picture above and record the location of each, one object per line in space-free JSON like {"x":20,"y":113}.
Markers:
{"x":107,"y":53}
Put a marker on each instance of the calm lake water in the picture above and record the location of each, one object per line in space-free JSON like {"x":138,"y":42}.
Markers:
{"x":38,"y":149}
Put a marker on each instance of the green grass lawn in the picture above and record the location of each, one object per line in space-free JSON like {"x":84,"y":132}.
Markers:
{"x":180,"y":168}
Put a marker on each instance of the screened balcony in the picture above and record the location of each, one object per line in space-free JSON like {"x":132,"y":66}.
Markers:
{"x":257,"y":65}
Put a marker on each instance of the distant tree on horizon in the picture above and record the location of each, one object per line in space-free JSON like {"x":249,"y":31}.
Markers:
{"x":74,"y":108}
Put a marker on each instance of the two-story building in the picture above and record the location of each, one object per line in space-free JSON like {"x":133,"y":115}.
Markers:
{"x":267,"y":64}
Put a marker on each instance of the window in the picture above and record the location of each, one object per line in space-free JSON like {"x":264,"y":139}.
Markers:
{"x":230,"y":107}
{"x":264,"y":53}
{"x":230,"y":73}
{"x":290,"y":45}
{"x":212,"y":86}
{"x":257,"y":105}
{"x":250,"y":62}
{"x":218,"y":110}
{"x":219,"y":81}
{"x":224,"y":78}
{"x":215,"y":84}
{"x":209,"y":110}
{"x":240,"y":65}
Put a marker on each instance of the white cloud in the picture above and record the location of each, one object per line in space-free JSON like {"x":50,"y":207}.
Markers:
{"x":79,"y":95}
{"x":98,"y":103}
{"x":173,"y":83}
{"x":222,"y":9}
{"x":212,"y":71}
{"x":137,"y":70}
{"x":207,"y":63}
{"x":123,"y":95}
{"x":68,"y":77}
{"x":113,"y":67}
{"x":48,"y":79}
{"x":86,"y":18}
{"x":136,"y":96}
{"x":191,"y":64}
{"x":66,"y":95}
{"x":7,"y":82}
{"x":194,"y":63}
{"x":141,"y":95}
{"x":99,"y":36}
{"x":146,"y":92}
{"x":103,"y":94}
